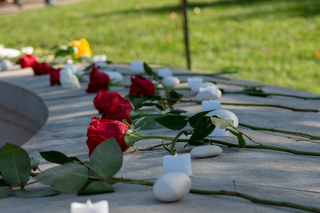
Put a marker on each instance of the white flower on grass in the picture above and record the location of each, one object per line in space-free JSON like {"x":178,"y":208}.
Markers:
{"x":137,"y":66}
{"x":170,"y":81}
{"x":68,"y":79}
{"x":27,"y":50}
{"x":196,"y":87}
{"x":115,"y":77}
{"x":209,"y":93}
{"x":5,"y":64}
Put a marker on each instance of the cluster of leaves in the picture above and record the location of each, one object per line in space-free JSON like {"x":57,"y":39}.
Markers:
{"x":202,"y":125}
{"x":72,"y":175}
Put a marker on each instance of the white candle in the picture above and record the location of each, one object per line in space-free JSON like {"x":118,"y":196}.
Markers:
{"x":214,"y":105}
{"x":165,"y":72}
{"x":99,"y":207}
{"x":137,"y":66}
{"x":177,"y":163}
{"x":194,"y":81}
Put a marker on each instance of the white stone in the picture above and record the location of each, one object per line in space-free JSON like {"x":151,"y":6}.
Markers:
{"x":170,"y":81}
{"x":223,"y":113}
{"x":115,"y":77}
{"x":137,"y":66}
{"x":164,"y":72}
{"x":210,"y":93}
{"x":205,"y":151}
{"x":172,"y":186}
{"x":5,"y":64}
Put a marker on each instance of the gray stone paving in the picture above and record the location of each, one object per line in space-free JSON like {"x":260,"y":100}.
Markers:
{"x":263,"y":173}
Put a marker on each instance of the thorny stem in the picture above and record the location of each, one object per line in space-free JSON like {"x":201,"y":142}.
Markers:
{"x":312,"y":137}
{"x":227,"y":193}
{"x":247,"y":104}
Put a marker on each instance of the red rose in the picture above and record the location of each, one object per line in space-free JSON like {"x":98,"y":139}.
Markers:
{"x":98,"y":80}
{"x":55,"y":76}
{"x":101,"y":130}
{"x":141,"y":86}
{"x":41,"y":68}
{"x":27,"y":61}
{"x":112,"y":105}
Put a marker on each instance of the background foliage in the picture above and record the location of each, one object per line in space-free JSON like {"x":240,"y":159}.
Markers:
{"x":270,"y":41}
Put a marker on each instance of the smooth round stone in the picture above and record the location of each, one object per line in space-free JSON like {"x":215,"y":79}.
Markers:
{"x":172,"y":186}
{"x":205,"y":151}
{"x":170,"y":81}
{"x":223,"y":113}
{"x":210,"y":93}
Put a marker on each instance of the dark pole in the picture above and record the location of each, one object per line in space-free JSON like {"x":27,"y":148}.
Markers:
{"x":185,"y":31}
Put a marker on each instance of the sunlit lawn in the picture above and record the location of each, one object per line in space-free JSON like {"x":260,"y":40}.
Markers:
{"x":270,"y":41}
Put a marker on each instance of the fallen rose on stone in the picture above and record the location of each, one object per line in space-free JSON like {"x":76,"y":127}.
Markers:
{"x":41,"y":68}
{"x":98,"y":80}
{"x":141,"y":86}
{"x":55,"y":77}
{"x":100,"y":130}
{"x":27,"y":61}
{"x":112,"y":105}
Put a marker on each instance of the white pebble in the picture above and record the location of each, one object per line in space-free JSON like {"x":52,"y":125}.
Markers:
{"x":172,"y":186}
{"x":205,"y":151}
{"x":210,"y":93}
{"x":223,"y":113}
{"x":170,"y":81}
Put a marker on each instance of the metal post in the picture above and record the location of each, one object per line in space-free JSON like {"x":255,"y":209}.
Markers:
{"x":185,"y":31}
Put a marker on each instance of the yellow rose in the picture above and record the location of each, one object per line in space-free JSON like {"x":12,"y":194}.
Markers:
{"x":83,"y":47}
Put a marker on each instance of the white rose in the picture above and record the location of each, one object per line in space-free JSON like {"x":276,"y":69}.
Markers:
{"x":69,"y":80}
{"x":210,"y":93}
{"x":170,"y":81}
{"x":196,"y":87}
{"x":115,"y":77}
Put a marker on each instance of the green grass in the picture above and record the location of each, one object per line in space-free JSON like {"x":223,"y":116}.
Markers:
{"x":270,"y":41}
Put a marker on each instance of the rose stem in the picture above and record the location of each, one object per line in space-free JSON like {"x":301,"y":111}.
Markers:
{"x":247,"y":104}
{"x":227,"y":193}
{"x":312,"y":137}
{"x":297,"y":152}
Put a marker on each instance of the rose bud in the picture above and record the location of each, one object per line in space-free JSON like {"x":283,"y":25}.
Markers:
{"x":141,"y":86}
{"x":27,"y":61}
{"x":55,"y":77}
{"x":41,"y":68}
{"x":98,"y":80}
{"x":101,"y":130}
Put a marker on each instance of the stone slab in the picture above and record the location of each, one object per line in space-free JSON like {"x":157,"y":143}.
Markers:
{"x":263,"y":173}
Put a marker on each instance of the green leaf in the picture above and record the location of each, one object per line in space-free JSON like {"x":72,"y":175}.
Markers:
{"x":193,"y":119}
{"x":131,"y":139}
{"x":148,"y":70}
{"x":22,"y":193}
{"x":70,"y":177}
{"x":55,"y":157}
{"x":222,"y":123}
{"x":203,"y":128}
{"x":96,"y":187}
{"x":147,"y":122}
{"x":197,"y":142}
{"x":5,"y":189}
{"x":14,"y":165}
{"x":159,"y":106}
{"x":174,"y":95}
{"x":136,"y":101}
{"x":177,"y":111}
{"x":174,"y":122}
{"x":106,"y":159}
{"x":255,"y":91}
{"x":34,"y":163}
